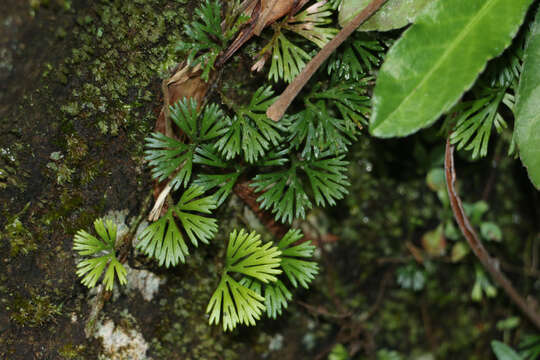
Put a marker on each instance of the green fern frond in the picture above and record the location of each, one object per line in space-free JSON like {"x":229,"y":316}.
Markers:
{"x":296,"y":268}
{"x":327,"y":178}
{"x":198,"y":125}
{"x":317,"y":131}
{"x":334,"y":4}
{"x":170,"y":157}
{"x":277,"y":157}
{"x":223,"y":182}
{"x":312,"y":23}
{"x":276,"y":295}
{"x":358,"y":56}
{"x":163,"y":239}
{"x":206,"y":155}
{"x":276,"y":298}
{"x":248,"y":256}
{"x":91,"y":269}
{"x":330,"y":120}
{"x":251,"y":131}
{"x":287,"y":60}
{"x":298,"y":271}
{"x":351,"y":101}
{"x":233,"y":302}
{"x":475,"y":120}
{"x":206,"y":38}
{"x":283,"y":193}
{"x":230,"y":145}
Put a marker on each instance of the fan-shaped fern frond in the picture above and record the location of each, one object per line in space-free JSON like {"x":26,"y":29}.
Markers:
{"x":293,"y":263}
{"x":206,"y":38}
{"x":198,"y":125}
{"x":296,"y":268}
{"x":251,"y":131}
{"x":475,"y":120}
{"x":277,"y":157}
{"x":284,"y":191}
{"x":223,"y":182}
{"x":312,"y":23}
{"x":234,"y":303}
{"x":358,"y":56}
{"x":288,"y":59}
{"x":248,"y":256}
{"x":276,"y":298}
{"x":334,"y":4}
{"x":350,"y":101}
{"x":327,"y":178}
{"x":91,"y":269}
{"x":164,"y":240}
{"x":317,"y":131}
{"x":276,"y":295}
{"x":170,"y":157}
{"x":330,"y":120}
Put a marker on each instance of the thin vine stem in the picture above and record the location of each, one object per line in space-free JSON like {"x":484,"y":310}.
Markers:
{"x":277,"y":110}
{"x":489,"y":263}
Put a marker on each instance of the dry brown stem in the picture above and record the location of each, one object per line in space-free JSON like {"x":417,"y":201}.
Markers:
{"x":277,"y":110}
{"x":489,"y":263}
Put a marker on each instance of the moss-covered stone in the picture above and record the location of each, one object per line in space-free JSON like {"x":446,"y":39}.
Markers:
{"x":84,"y":84}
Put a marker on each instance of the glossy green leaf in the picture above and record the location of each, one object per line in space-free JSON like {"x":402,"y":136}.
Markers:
{"x":527,"y":130}
{"x":437,"y":59}
{"x":504,"y":352}
{"x":392,"y":15}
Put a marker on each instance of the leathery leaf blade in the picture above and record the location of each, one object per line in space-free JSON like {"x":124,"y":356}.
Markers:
{"x":438,"y":58}
{"x":527,"y":111}
{"x":394,"y":14}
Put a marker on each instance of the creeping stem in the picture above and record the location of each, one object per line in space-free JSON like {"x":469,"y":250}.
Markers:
{"x":489,"y":263}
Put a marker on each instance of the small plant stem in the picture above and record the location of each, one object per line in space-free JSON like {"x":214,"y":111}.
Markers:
{"x":277,"y":110}
{"x":248,"y":196}
{"x":127,"y":241}
{"x":489,"y":263}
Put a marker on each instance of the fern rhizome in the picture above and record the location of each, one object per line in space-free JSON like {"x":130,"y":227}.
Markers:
{"x":204,"y":150}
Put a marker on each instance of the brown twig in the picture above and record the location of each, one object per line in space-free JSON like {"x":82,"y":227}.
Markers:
{"x":322,"y":311}
{"x":248,"y":196}
{"x":489,"y":263}
{"x":380,"y":297}
{"x":277,"y":110}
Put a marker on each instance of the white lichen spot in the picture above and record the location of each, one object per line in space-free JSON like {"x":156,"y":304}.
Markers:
{"x":119,"y":218}
{"x":144,"y":281}
{"x":120,"y":343}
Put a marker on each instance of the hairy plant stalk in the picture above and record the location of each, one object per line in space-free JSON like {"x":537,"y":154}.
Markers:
{"x":277,"y":110}
{"x":489,"y":263}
